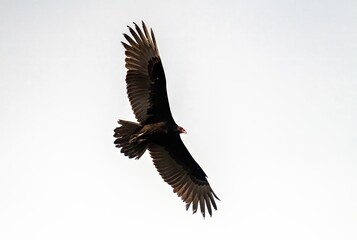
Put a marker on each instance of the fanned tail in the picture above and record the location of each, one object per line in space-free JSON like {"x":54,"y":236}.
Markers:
{"x":127,"y":139}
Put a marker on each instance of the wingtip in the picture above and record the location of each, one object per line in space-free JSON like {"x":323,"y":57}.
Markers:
{"x":143,"y":23}
{"x":188,"y":206}
{"x":216,"y":196}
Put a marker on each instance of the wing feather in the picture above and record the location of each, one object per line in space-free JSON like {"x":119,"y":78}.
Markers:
{"x":181,"y":174}
{"x":145,"y":79}
{"x":207,"y":200}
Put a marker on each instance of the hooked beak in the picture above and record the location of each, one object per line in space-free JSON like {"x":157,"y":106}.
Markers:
{"x":181,"y":130}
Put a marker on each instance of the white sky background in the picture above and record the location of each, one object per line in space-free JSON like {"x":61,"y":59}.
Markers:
{"x":267,"y":91}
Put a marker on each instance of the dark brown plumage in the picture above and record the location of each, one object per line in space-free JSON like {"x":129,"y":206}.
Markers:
{"x":156,"y":129}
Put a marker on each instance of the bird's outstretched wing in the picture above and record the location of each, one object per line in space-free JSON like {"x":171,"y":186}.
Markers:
{"x":145,"y":79}
{"x":178,"y":168}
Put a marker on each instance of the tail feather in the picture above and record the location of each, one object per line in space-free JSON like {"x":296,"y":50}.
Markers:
{"x":126,"y":139}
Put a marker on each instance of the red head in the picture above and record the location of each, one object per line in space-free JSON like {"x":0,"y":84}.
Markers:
{"x":181,"y":130}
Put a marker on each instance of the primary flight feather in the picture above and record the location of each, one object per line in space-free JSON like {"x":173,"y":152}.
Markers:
{"x":156,"y":129}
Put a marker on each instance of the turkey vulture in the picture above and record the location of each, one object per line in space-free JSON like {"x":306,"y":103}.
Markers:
{"x":156,"y":129}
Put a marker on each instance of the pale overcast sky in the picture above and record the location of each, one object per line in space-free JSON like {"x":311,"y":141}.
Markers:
{"x":267,"y":91}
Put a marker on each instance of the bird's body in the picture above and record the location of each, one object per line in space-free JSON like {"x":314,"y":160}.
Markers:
{"x":156,"y":129}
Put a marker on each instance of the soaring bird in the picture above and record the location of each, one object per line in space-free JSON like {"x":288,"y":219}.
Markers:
{"x":156,"y":129}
